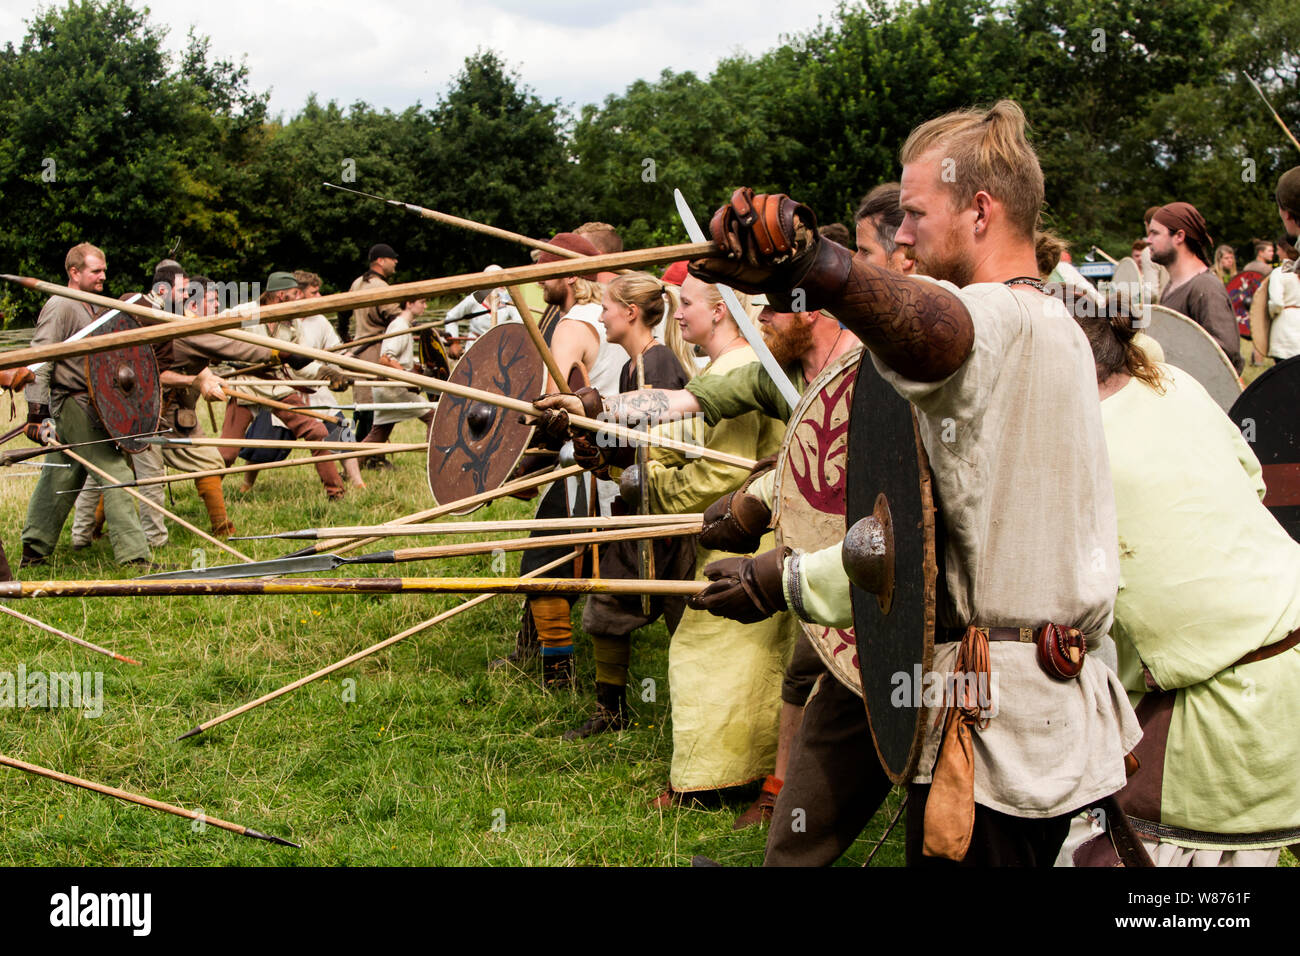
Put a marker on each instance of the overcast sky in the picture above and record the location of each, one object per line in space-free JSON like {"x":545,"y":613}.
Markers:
{"x":391,"y":53}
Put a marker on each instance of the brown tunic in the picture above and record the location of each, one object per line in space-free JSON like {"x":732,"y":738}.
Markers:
{"x":1204,"y":300}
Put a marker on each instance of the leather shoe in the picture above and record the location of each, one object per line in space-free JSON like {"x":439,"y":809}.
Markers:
{"x":760,"y":811}
{"x":669,"y":798}
{"x":31,"y":559}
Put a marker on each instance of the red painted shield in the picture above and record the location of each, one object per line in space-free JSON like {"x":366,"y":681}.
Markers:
{"x":124,"y":387}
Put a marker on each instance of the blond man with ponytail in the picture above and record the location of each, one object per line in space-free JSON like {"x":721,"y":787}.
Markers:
{"x":1002,"y":383}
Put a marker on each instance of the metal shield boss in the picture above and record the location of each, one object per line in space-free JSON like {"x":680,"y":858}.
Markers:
{"x":892,"y":548}
{"x":474,"y":446}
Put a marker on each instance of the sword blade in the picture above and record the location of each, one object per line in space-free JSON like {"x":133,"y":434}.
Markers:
{"x":255,"y":569}
{"x":752,"y":335}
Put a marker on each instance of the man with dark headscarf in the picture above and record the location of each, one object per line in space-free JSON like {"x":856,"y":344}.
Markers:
{"x":1180,"y":241}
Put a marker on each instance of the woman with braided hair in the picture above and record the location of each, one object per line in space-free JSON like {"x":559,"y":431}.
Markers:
{"x":1207,"y":617}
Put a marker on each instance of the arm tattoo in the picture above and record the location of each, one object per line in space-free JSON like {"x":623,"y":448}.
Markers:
{"x":635,"y":408}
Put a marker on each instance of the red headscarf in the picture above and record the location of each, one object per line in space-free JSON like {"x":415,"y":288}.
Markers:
{"x":1184,"y":216}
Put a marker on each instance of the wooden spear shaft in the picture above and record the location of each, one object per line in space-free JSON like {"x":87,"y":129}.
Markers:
{"x":266,"y":465}
{"x":68,"y":637}
{"x":157,"y":507}
{"x":372,"y":649}
{"x":273,"y":586}
{"x":39,"y":771}
{"x":344,"y":545}
{"x":485,"y":527}
{"x":279,"y":406}
{"x":372,"y":368}
{"x":304,"y":383}
{"x":294,"y":445}
{"x":1285,"y":128}
{"x":470,"y":224}
{"x":374,"y":295}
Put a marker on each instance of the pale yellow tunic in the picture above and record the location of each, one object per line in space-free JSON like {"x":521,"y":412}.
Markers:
{"x":724,"y":677}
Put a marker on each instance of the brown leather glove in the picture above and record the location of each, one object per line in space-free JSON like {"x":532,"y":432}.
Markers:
{"x":772,"y":246}
{"x":747,"y":590}
{"x":339,"y":381}
{"x":37,"y":416}
{"x":555,"y":421}
{"x":15,"y":378}
{"x":737,"y":521}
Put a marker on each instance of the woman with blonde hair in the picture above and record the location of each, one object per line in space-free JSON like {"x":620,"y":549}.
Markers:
{"x":725,"y":678}
{"x":633,"y":307}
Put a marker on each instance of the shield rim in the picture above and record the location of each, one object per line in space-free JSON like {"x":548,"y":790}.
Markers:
{"x":1227,"y":363}
{"x":815,"y":632}
{"x":930,"y":572}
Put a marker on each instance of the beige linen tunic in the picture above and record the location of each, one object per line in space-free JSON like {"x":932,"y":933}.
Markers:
{"x":1023,"y":479}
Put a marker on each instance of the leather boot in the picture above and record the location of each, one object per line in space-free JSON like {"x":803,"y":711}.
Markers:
{"x":760,"y":811}
{"x":526,"y":645}
{"x":31,"y":559}
{"x":210,"y":491}
{"x":555,"y":632}
{"x":611,"y":713}
{"x":557,"y":671}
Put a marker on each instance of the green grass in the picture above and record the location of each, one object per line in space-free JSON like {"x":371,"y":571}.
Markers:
{"x":433,"y":751}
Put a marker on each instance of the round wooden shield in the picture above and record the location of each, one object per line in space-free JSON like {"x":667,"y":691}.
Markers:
{"x":889,"y":477}
{"x":1266,"y":414}
{"x":124,"y":387}
{"x":1189,"y":347}
{"x":433,"y":355}
{"x":474,"y":446}
{"x":808,"y":501}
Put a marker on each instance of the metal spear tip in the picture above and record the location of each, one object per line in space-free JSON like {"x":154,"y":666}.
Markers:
{"x":258,"y":835}
{"x":198,"y":729}
{"x":21,"y":280}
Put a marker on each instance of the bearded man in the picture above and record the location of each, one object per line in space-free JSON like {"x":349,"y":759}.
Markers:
{"x":1181,"y":242}
{"x":1002,"y":382}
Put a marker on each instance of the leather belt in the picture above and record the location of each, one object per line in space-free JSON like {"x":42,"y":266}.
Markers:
{"x":1021,"y":635}
{"x":1269,"y":650}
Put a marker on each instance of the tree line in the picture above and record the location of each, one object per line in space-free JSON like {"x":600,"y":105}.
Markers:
{"x":108,"y":138}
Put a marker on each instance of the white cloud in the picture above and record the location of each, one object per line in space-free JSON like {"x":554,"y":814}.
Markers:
{"x":391,"y":53}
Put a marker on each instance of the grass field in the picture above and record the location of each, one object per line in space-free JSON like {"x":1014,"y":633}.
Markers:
{"x":434,"y":761}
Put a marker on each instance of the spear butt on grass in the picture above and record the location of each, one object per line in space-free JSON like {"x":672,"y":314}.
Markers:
{"x":68,"y":637}
{"x":142,"y":801}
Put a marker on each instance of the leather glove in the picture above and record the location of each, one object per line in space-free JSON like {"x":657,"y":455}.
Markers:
{"x":769,"y":242}
{"x":736,"y":522}
{"x":15,"y":378}
{"x":295,"y":362}
{"x":37,"y":416}
{"x":555,"y":408}
{"x":339,"y":381}
{"x":747,"y":590}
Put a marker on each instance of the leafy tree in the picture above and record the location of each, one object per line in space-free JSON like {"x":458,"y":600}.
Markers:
{"x":105,"y":142}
